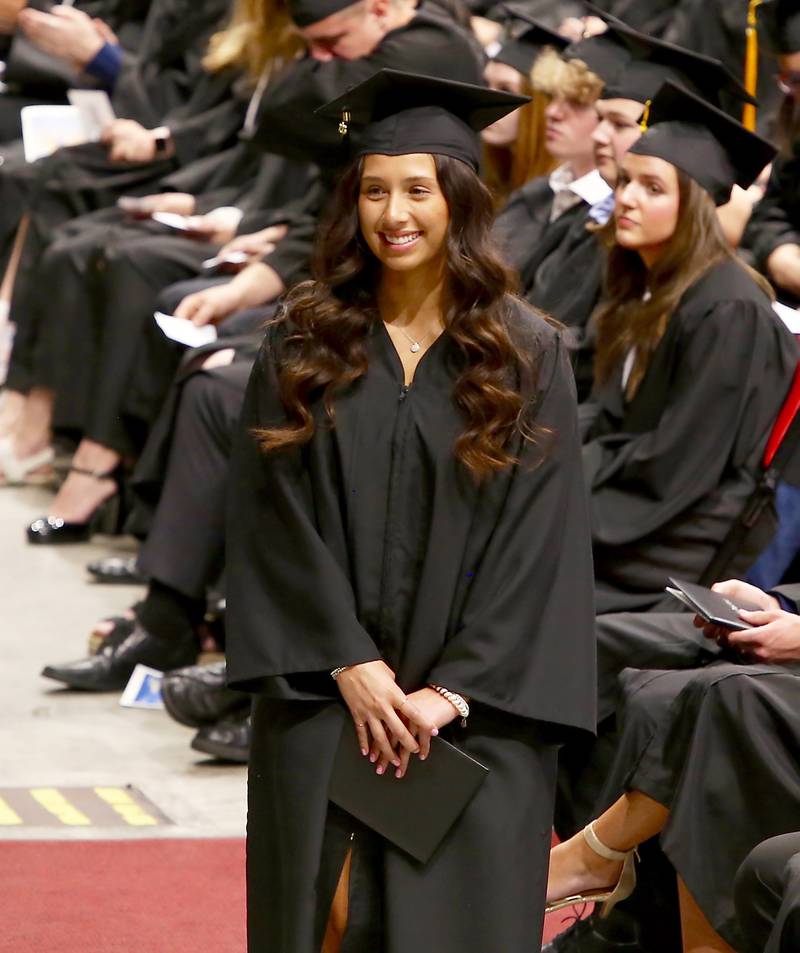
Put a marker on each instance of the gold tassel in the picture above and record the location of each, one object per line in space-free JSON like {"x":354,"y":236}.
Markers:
{"x":344,"y":123}
{"x":751,"y":64}
{"x":645,"y":116}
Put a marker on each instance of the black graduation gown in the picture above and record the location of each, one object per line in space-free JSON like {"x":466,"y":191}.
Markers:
{"x":522,"y":221}
{"x":368,"y":543}
{"x":556,"y":291}
{"x":668,"y":472}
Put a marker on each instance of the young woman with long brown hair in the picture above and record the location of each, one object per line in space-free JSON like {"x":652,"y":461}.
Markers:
{"x":514,"y":148}
{"x":407,"y":540}
{"x":691,"y":363}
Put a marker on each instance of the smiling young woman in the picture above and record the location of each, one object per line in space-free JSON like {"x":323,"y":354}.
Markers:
{"x":408,"y":544}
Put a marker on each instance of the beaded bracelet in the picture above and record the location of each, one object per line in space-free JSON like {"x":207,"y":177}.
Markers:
{"x":457,"y":701}
{"x":338,"y":671}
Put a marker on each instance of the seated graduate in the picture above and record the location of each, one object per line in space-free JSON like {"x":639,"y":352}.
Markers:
{"x":686,"y":337}
{"x":707,"y":760}
{"x":620,"y":107}
{"x":112,"y":420}
{"x":773,"y":233}
{"x":408,"y":516}
{"x":539,"y":214}
{"x":514,"y":147}
{"x":767,"y":894}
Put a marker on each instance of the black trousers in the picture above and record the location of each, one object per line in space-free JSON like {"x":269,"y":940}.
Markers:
{"x":767,"y":892}
{"x":186,"y":544}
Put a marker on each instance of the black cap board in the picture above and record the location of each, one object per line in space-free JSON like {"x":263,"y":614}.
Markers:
{"x":779,"y":22}
{"x":524,"y":42}
{"x":604,"y":54}
{"x":397,"y":113}
{"x":653,"y":62}
{"x":706,"y":143}
{"x":306,"y":12}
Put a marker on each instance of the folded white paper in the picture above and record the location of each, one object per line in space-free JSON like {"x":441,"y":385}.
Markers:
{"x":47,"y":128}
{"x":184,"y":332}
{"x":789,"y":316}
{"x":95,"y":108}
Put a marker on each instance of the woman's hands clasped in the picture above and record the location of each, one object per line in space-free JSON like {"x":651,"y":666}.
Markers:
{"x":391,"y":726}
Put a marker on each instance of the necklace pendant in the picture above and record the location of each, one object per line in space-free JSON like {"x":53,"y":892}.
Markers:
{"x":414,"y":347}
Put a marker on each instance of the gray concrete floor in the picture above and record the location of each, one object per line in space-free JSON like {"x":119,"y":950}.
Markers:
{"x":53,"y":737}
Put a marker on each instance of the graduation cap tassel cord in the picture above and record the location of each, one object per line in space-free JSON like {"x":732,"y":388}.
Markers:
{"x":645,"y":117}
{"x":751,"y":64}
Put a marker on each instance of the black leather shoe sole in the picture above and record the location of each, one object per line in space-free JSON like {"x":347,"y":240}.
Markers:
{"x":219,"y":750}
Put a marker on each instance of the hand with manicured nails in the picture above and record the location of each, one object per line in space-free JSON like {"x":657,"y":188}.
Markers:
{"x":383,"y":714}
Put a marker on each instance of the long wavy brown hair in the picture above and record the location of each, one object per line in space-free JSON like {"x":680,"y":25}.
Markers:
{"x":638,"y":302}
{"x":328,"y":321}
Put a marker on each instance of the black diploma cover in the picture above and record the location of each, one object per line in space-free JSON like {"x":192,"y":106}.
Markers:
{"x":416,"y":811}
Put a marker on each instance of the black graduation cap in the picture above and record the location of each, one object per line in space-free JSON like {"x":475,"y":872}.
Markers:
{"x":306,"y":12}
{"x":780,"y":21}
{"x":706,"y":143}
{"x":653,"y":62}
{"x":520,"y":49}
{"x":604,"y":54}
{"x":397,"y":113}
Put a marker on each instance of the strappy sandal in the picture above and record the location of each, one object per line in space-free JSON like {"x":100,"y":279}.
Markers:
{"x":609,"y":897}
{"x":107,"y":518}
{"x":22,"y":471}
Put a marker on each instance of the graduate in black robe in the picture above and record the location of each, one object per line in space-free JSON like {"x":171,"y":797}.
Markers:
{"x":675,"y":449}
{"x":370,"y":542}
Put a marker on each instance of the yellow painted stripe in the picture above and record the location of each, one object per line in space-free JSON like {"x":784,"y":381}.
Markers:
{"x":53,"y":800}
{"x":127,"y":808}
{"x":7,"y":815}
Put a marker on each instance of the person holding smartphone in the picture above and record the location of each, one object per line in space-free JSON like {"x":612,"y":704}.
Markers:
{"x":407,"y":548}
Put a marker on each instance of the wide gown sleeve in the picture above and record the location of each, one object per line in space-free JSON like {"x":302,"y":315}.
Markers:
{"x":640,"y":481}
{"x":526,"y":644}
{"x":290,"y":606}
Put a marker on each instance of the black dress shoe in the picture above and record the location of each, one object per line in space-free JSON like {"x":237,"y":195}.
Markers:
{"x":120,"y":653}
{"x":617,"y":933}
{"x":117,"y":569}
{"x":229,"y":740}
{"x":198,"y":696}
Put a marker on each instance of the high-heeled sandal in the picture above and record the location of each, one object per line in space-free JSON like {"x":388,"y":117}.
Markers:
{"x":107,"y":518}
{"x":22,"y":471}
{"x":609,"y":897}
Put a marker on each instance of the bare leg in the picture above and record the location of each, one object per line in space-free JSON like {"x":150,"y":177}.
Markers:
{"x":337,"y":923}
{"x":7,"y":286}
{"x":32,"y":431}
{"x":576,"y":868}
{"x":81,"y":494}
{"x":11,"y":408}
{"x":698,"y":934}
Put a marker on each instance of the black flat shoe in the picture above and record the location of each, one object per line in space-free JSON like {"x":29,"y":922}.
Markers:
{"x":110,"y":669}
{"x":228,"y":741}
{"x":118,"y":570}
{"x":107,"y":518}
{"x":197,"y":696}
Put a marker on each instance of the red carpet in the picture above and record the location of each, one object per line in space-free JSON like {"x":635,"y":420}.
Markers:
{"x":142,"y":896}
